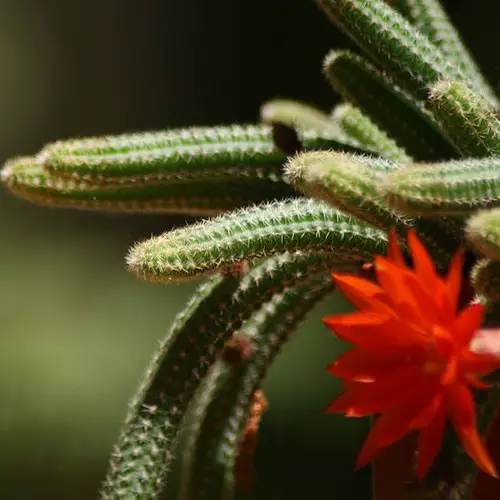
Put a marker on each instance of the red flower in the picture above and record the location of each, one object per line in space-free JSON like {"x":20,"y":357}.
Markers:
{"x":411,"y":362}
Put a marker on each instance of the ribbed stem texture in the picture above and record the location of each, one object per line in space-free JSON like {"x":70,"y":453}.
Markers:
{"x":217,"y":432}
{"x":359,"y":126}
{"x":404,"y":118}
{"x":485,"y":277}
{"x":455,"y":187}
{"x":140,"y":460}
{"x":468,"y":121}
{"x":352,"y":184}
{"x":386,"y":36}
{"x":431,"y":19}
{"x":26,"y":178}
{"x":483,"y":231}
{"x":257,"y":232}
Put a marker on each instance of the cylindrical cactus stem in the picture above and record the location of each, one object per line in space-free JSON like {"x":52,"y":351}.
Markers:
{"x":352,"y":184}
{"x":294,"y":225}
{"x":221,"y":410}
{"x":450,"y":188}
{"x":483,"y":232}
{"x":140,"y":461}
{"x":387,"y":37}
{"x":393,"y":110}
{"x":431,"y":19}
{"x":25,"y":177}
{"x":466,"y":118}
{"x":361,"y":128}
{"x":485,"y":278}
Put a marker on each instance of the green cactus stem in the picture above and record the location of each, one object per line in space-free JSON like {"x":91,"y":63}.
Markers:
{"x":483,"y":231}
{"x":468,"y":121}
{"x":455,"y":187}
{"x":357,"y":125}
{"x":140,"y":461}
{"x":485,"y":278}
{"x":300,"y":116}
{"x":352,"y":184}
{"x":400,"y":115}
{"x":387,"y":37}
{"x":26,"y":178}
{"x":193,"y":154}
{"x":431,"y":19}
{"x":223,"y":408}
{"x":268,"y":229}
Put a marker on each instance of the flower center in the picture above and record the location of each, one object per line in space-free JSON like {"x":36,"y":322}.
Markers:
{"x":434,"y":367}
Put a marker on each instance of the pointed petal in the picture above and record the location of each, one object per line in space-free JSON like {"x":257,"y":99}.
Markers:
{"x":463,"y":418}
{"x":467,"y":323}
{"x":363,"y":366}
{"x":431,"y":281}
{"x":388,"y":429}
{"x":406,"y":294}
{"x":341,"y":404}
{"x":429,"y":411}
{"x":478,"y":364}
{"x":399,"y":388}
{"x":375,"y":333}
{"x":453,"y":281}
{"x":359,"y":291}
{"x":394,"y":252}
{"x":430,"y":440}
{"x":450,"y":373}
{"x":422,"y":262}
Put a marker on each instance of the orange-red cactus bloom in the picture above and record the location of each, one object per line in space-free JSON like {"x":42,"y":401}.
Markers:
{"x":411,"y":361}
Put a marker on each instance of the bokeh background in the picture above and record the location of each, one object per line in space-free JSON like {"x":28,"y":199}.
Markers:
{"x":77,"y":330}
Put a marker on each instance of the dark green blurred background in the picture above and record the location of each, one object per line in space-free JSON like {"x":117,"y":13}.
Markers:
{"x":77,"y":328}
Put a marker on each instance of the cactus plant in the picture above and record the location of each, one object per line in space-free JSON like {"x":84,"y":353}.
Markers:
{"x":412,"y":148}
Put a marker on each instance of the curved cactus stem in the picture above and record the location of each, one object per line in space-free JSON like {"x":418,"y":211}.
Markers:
{"x":386,"y":36}
{"x":173,"y":155}
{"x":140,"y":460}
{"x":216,"y":433}
{"x":301,"y":116}
{"x":359,"y":126}
{"x":352,"y":184}
{"x":405,"y":120}
{"x":483,"y":231}
{"x":314,"y":128}
{"x":26,"y":178}
{"x":431,"y":19}
{"x":253,"y":233}
{"x":466,"y":119}
{"x":485,"y":277}
{"x":450,"y":188}
{"x":178,"y":155}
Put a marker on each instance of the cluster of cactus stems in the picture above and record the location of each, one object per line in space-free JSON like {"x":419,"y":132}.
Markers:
{"x":414,"y":143}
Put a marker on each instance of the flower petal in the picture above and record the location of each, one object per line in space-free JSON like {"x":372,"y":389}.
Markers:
{"x":374,"y":332}
{"x":359,"y":291}
{"x":405,"y":293}
{"x":478,"y":363}
{"x":399,"y":388}
{"x":429,"y":442}
{"x":467,"y":323}
{"x":422,"y":262}
{"x":362,"y":366}
{"x":463,"y":418}
{"x":394,"y":252}
{"x":388,"y":429}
